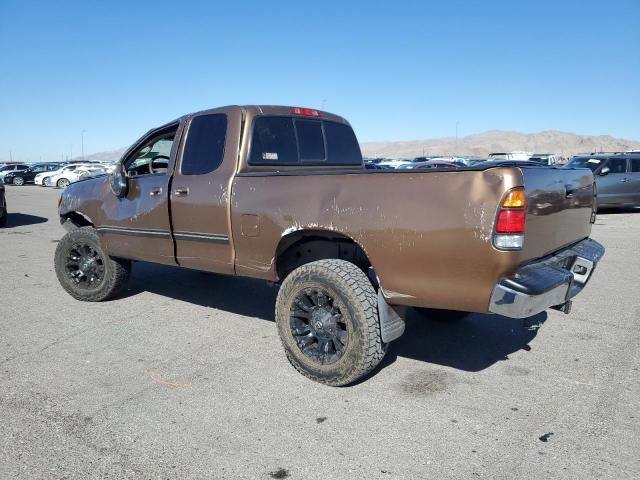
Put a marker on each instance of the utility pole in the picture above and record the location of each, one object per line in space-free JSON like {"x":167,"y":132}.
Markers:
{"x":82,"y":142}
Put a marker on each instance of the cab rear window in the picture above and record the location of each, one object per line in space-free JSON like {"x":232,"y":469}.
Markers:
{"x":297,"y":141}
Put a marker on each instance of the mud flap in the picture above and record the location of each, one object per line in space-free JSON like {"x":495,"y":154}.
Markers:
{"x":391,"y":319}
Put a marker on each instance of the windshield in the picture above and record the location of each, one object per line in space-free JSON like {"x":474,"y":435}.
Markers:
{"x":585,"y":162}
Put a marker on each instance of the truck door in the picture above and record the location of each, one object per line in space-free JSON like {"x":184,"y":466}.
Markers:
{"x":137,"y":226}
{"x":200,"y":191}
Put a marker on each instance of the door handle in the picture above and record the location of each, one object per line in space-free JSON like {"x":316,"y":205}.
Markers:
{"x":182,"y":192}
{"x":155,"y":191}
{"x":624,"y":180}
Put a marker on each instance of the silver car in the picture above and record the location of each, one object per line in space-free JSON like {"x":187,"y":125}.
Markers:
{"x":617,"y":177}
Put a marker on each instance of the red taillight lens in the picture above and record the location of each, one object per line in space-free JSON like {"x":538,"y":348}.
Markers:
{"x":511,"y":221}
{"x":307,"y":112}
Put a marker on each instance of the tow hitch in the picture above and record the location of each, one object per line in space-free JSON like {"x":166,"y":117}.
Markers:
{"x":564,"y":307}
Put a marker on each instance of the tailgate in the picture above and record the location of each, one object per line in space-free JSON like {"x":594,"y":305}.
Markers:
{"x":560,"y":203}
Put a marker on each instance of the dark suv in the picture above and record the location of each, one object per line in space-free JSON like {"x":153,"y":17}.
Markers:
{"x":28,"y":175}
{"x":11,"y":167}
{"x":617,"y":177}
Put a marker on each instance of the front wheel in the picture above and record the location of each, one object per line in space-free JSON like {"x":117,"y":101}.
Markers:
{"x":327,"y":317}
{"x":85,"y":271}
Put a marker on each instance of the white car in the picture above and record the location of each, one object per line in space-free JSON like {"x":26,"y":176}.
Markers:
{"x":43,"y":179}
{"x":67,"y":177}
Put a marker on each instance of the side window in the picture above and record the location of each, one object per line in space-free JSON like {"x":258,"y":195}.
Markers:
{"x":152,"y":157}
{"x":635,"y":165}
{"x":617,"y":165}
{"x":204,"y":150}
{"x":273,"y":141}
{"x":310,"y":140}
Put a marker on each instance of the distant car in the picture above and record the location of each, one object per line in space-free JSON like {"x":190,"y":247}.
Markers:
{"x":28,"y":175}
{"x":471,"y":161}
{"x":67,"y":177}
{"x":12,"y":167}
{"x":3,"y":205}
{"x":516,"y":156}
{"x":437,"y":164}
{"x":544,"y":158}
{"x":44,"y":177}
{"x":617,"y":177}
{"x":376,"y":166}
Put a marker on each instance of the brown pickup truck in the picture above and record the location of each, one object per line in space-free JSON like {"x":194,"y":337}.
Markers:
{"x":281,"y":194}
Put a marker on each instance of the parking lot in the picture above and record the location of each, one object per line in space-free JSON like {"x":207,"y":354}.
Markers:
{"x":184,"y":376}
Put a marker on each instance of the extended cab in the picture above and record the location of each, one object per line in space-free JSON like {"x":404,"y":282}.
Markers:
{"x":281,"y":194}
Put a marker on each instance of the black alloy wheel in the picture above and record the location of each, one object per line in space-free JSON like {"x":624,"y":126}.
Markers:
{"x":85,"y":266}
{"x":317,"y":326}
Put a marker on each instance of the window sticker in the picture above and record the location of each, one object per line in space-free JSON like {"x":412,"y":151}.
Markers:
{"x":269,"y":156}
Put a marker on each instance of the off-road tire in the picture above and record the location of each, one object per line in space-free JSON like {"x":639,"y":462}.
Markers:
{"x":350,"y":287}
{"x":116,"y":272}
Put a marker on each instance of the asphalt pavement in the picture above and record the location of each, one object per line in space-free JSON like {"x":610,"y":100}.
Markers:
{"x":184,"y":377}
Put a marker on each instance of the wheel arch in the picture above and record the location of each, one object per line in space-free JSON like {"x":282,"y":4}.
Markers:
{"x":308,"y":245}
{"x":77,"y":219}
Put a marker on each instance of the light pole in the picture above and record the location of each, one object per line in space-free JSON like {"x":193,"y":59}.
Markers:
{"x":457,"y":122}
{"x":82,"y":142}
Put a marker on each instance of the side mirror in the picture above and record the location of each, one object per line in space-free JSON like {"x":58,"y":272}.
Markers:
{"x":119,"y":182}
{"x":605,"y":171}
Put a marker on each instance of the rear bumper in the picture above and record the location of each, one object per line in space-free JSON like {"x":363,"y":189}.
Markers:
{"x":546,"y":282}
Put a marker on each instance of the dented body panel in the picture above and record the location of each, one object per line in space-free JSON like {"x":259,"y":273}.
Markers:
{"x":428,"y":235}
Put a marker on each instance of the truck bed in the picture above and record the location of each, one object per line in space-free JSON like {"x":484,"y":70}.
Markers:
{"x":427,"y":234}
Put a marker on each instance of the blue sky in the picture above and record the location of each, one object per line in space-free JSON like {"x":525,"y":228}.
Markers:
{"x":397,"y":70}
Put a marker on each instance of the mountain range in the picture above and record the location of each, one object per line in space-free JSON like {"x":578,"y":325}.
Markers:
{"x":480,"y":144}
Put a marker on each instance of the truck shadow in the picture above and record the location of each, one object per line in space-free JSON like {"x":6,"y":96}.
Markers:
{"x":617,"y":211}
{"x":242,"y":296}
{"x":471,"y":343}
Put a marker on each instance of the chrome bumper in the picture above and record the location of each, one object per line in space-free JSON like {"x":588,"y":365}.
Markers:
{"x":547,"y":282}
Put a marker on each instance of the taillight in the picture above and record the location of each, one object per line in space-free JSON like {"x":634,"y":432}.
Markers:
{"x":307,"y":112}
{"x":511,"y":221}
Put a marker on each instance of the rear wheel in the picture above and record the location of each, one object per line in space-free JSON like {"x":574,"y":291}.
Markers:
{"x":327,"y":318}
{"x":63,"y":183}
{"x":85,"y":271}
{"x":18,"y":181}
